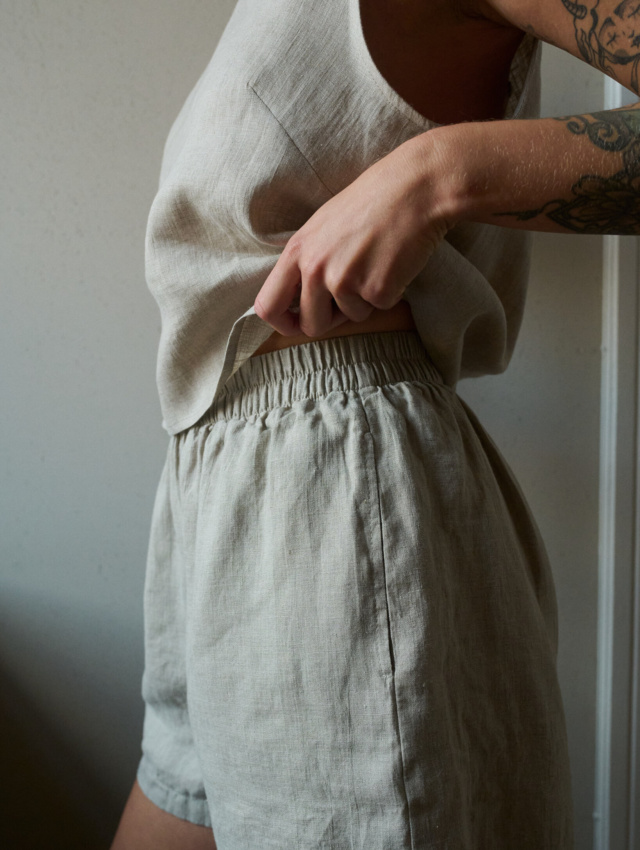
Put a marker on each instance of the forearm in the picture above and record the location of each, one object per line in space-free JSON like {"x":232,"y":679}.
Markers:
{"x":577,"y":174}
{"x":363,"y":247}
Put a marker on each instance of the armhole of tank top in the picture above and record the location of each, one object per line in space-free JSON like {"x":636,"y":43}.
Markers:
{"x":525,"y":79}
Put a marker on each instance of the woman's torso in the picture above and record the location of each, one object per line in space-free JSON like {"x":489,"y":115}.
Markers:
{"x":292,"y":107}
{"x":411,"y":42}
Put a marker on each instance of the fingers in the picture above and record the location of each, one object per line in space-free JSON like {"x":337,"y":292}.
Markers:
{"x":277,"y":294}
{"x":353,"y":305}
{"x":320,"y":311}
{"x":322,"y":306}
{"x":316,"y":307}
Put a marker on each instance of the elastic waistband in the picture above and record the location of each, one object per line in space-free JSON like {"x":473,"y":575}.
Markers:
{"x":314,"y":369}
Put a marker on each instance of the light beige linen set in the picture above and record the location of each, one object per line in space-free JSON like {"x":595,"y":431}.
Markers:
{"x":350,"y":619}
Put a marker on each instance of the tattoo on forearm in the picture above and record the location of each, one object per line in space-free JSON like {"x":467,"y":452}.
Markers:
{"x":601,"y":204}
{"x":608,"y":34}
{"x":608,"y":37}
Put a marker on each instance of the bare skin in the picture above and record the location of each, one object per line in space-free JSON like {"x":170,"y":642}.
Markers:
{"x":362,"y":248}
{"x":411,"y":41}
{"x":143,"y":826}
{"x":401,"y":35}
{"x":386,"y":224}
{"x":397,"y":318}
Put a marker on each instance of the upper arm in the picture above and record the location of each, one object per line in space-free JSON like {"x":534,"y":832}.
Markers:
{"x":604,"y":33}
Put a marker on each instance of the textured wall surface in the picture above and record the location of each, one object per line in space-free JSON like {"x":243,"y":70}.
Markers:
{"x":89,"y":93}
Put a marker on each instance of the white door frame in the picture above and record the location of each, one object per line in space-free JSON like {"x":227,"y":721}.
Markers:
{"x":617,"y":765}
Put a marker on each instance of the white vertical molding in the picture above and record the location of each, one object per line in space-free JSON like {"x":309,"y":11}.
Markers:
{"x":606,"y":539}
{"x":616,"y":769}
{"x":607,"y":520}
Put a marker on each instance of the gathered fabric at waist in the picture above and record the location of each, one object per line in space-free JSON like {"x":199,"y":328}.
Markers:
{"x":314,"y":369}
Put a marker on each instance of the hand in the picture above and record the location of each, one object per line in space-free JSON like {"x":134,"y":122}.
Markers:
{"x":361,"y":249}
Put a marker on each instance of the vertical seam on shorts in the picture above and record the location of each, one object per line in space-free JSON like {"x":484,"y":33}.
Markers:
{"x":384,"y":572}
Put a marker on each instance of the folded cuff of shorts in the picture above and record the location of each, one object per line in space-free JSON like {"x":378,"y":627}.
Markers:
{"x":179,"y":803}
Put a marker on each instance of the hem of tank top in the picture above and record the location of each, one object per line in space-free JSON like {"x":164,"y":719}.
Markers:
{"x":184,"y":424}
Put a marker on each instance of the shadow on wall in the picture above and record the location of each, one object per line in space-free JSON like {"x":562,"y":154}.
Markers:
{"x":70,"y":718}
{"x":70,"y":712}
{"x":48,"y":798}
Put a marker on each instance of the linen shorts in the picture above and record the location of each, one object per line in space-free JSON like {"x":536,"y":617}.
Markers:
{"x":350,"y":618}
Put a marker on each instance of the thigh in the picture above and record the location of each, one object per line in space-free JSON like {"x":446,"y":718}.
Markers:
{"x":473,"y":626}
{"x":367,"y":617}
{"x":288,"y":656}
{"x":144,"y":826}
{"x":372,"y":632}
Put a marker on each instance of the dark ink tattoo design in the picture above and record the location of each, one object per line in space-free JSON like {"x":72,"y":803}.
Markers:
{"x":608,"y":37}
{"x":601,"y":204}
{"x":608,"y":34}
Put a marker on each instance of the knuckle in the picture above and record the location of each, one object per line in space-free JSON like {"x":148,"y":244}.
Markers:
{"x":309,"y":272}
{"x":346,"y":291}
{"x":355,"y":309}
{"x":294,"y":245}
{"x":311,"y":268}
{"x":340,"y":286}
{"x":379,"y":297}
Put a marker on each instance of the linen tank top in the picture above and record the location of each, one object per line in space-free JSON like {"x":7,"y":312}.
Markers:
{"x":291,"y":109}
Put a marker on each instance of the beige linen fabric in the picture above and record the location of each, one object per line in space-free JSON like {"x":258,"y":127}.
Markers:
{"x":351,"y":623}
{"x":289,"y":111}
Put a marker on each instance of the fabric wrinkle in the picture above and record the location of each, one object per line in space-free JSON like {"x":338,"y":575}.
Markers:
{"x":369,"y":629}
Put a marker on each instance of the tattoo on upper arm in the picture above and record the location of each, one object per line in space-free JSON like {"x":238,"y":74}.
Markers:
{"x":601,"y":204}
{"x":608,"y":34}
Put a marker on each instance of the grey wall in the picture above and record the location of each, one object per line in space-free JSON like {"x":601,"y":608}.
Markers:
{"x":544,"y":414}
{"x":89,"y":93}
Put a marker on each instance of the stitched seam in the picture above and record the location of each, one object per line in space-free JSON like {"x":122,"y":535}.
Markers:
{"x":316,"y":398}
{"x":224,"y":396}
{"x":153,"y":776}
{"x":384,"y":571}
{"x":288,"y":135}
{"x":299,"y":374}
